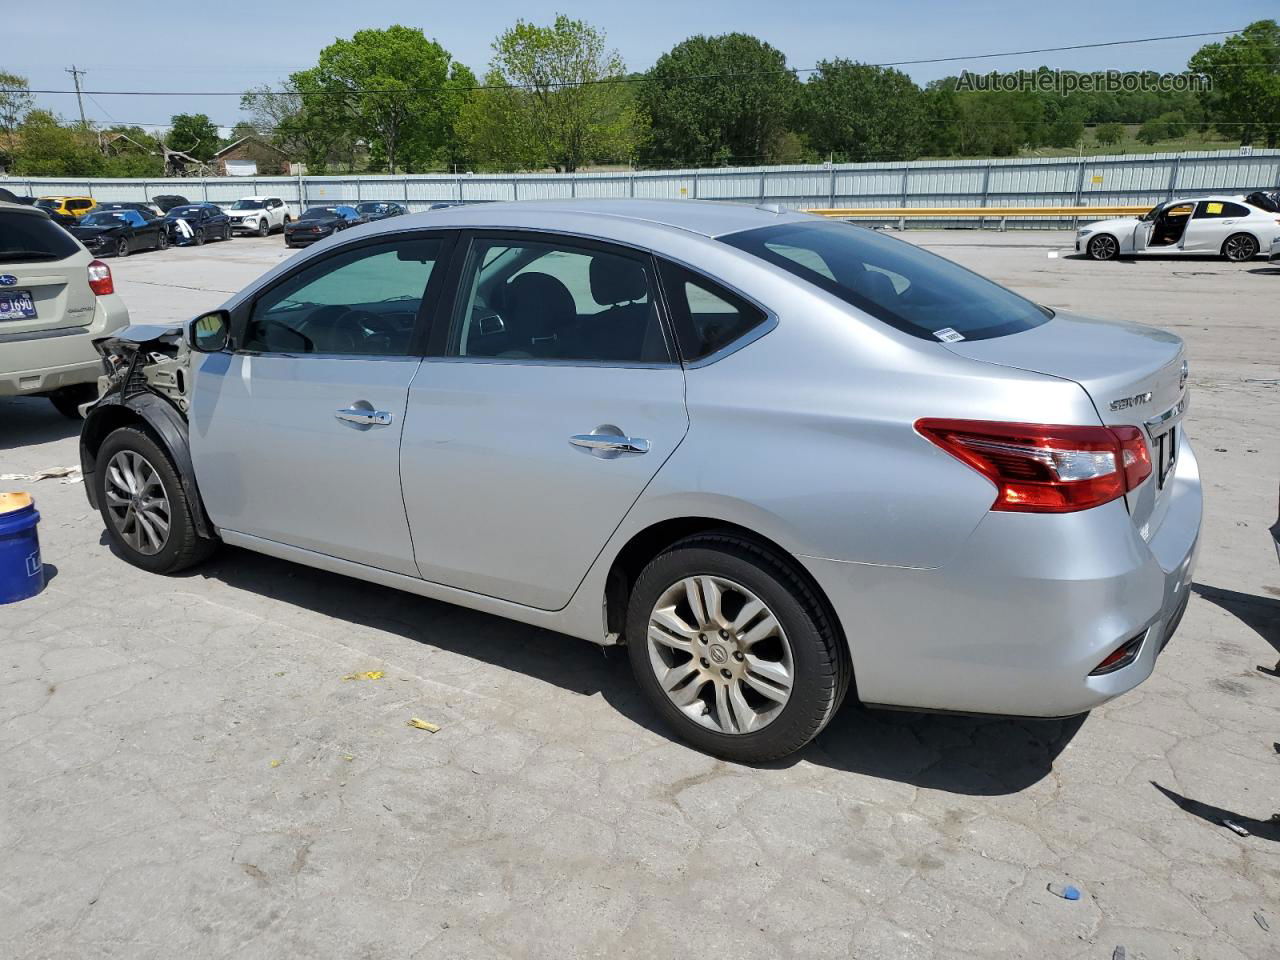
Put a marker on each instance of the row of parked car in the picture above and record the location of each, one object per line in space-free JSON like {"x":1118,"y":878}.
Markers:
{"x":119,"y":228}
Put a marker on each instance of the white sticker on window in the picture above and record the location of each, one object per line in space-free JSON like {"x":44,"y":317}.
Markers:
{"x":947,"y":335}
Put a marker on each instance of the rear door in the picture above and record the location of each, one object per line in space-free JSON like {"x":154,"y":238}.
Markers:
{"x":1211,"y":224}
{"x":296,"y":433}
{"x":43,"y":279}
{"x":549,"y":403}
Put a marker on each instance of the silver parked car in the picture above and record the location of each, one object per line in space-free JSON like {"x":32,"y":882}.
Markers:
{"x":1230,"y":227}
{"x":779,"y":458}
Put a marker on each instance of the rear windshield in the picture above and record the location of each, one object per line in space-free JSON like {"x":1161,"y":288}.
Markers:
{"x":320,"y":213}
{"x":894,"y":281}
{"x":27,"y":239}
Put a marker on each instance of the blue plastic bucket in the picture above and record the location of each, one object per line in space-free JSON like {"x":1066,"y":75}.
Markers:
{"x":21,"y":570}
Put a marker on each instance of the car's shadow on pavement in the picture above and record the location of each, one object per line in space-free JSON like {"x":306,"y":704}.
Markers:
{"x":959,"y":754}
{"x":27,"y":421}
{"x":1261,"y":614}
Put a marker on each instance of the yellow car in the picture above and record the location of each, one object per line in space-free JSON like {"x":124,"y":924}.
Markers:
{"x":67,"y":206}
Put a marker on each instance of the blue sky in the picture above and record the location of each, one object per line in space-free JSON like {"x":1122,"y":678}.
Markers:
{"x":229,"y":45}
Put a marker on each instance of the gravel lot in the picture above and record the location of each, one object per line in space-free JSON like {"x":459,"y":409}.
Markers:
{"x":185,"y":772}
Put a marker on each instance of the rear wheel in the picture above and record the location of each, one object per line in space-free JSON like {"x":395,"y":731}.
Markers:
{"x":1103,"y":247}
{"x":68,"y":399}
{"x":122,"y":247}
{"x":226,"y":231}
{"x":1240,"y":247}
{"x":733,"y":649}
{"x":143,"y":505}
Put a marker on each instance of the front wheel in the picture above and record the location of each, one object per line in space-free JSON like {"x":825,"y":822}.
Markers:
{"x":263,"y":227}
{"x":1240,"y":248}
{"x":198,"y":239}
{"x":162,"y":241}
{"x":1103,"y":247}
{"x":143,"y":505}
{"x":734,"y":650}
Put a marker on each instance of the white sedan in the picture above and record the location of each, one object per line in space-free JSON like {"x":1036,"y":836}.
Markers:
{"x":1218,"y":225}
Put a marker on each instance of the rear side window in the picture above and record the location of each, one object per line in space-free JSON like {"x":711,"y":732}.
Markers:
{"x":707,"y":317}
{"x":1218,"y":209}
{"x":25,"y":238}
{"x":894,"y":281}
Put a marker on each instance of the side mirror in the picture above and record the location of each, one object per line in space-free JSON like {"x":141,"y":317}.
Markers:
{"x":210,"y":332}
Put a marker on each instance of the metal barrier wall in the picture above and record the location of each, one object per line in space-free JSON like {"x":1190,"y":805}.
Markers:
{"x":1140,"y":180}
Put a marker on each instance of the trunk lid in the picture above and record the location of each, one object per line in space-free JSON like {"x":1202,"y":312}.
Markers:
{"x":59,"y":290}
{"x":1134,"y":374}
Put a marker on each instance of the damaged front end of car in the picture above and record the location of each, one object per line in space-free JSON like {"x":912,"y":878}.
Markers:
{"x":145,"y":383}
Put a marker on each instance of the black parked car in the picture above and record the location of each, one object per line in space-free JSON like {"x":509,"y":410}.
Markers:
{"x":320,"y":222}
{"x":120,"y":232}
{"x":167,"y":201}
{"x":380,"y":209}
{"x":204,"y":221}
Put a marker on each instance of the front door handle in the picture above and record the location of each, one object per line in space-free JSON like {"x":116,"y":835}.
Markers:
{"x":364,"y":416}
{"x":610,"y":445}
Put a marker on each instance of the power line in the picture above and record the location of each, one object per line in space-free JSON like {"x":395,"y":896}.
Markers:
{"x":446,"y":88}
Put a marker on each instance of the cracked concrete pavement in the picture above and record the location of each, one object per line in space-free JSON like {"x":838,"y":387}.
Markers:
{"x":184,"y":772}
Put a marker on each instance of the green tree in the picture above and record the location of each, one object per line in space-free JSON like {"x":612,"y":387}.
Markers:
{"x":551,"y":100}
{"x":856,"y":112}
{"x":1245,"y":70}
{"x":393,"y":85}
{"x":193,"y":134}
{"x":1175,"y":124}
{"x":303,"y":119}
{"x":130,"y":151}
{"x":718,"y":100}
{"x":50,"y":148}
{"x":15,"y":101}
{"x":1153,"y":131}
{"x":1108,"y":134}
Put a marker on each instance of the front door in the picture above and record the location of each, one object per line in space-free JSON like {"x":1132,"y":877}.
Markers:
{"x":554,"y":399}
{"x":296,"y":432}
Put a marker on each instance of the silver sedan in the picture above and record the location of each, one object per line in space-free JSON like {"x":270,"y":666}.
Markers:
{"x":780,"y":459}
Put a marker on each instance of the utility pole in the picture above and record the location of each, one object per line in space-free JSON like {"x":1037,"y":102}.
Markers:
{"x":76,"y":75}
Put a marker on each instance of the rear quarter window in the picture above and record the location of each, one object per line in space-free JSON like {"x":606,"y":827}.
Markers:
{"x":707,"y":317}
{"x":892,"y":280}
{"x":25,"y":238}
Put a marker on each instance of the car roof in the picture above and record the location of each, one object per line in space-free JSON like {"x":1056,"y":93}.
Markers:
{"x":27,"y":208}
{"x":608,"y":217}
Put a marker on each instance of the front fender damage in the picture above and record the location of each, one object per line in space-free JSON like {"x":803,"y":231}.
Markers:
{"x":146,"y":377}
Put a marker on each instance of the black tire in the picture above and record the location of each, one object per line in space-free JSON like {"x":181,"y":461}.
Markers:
{"x":1103,"y":247}
{"x":226,"y":231}
{"x":264,"y":227}
{"x":162,"y":241}
{"x":822,"y":671}
{"x":1240,"y":247}
{"x":122,"y":247}
{"x":68,"y":399}
{"x":285,"y":222}
{"x":184,"y":548}
{"x":198,"y":238}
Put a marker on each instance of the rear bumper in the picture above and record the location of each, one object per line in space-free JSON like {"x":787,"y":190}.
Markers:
{"x":1016,"y":623}
{"x":45,"y":363}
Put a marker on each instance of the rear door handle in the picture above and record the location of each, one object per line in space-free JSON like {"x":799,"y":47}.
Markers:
{"x":608,"y":444}
{"x":364,"y":417}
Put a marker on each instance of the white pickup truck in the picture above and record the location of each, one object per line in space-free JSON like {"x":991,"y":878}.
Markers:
{"x":260,"y":215}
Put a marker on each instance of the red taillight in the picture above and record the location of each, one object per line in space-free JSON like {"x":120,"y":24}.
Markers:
{"x":1043,"y":468}
{"x":100,"y":281}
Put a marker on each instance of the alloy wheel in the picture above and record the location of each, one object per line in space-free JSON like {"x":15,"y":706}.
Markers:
{"x":137,"y":503}
{"x":1240,"y":248}
{"x":720,"y":654}
{"x":1103,"y":247}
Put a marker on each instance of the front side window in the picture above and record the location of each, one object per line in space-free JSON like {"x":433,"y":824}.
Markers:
{"x":894,"y":281}
{"x":361,"y":302}
{"x":527,"y":299}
